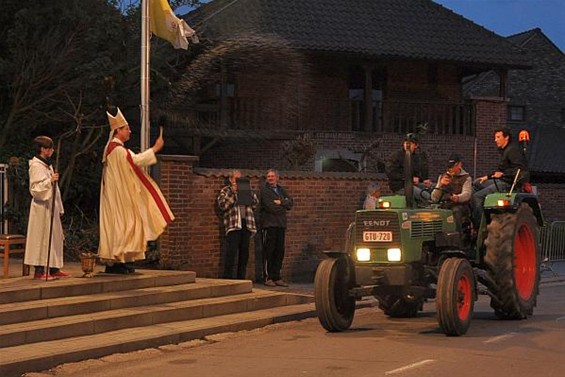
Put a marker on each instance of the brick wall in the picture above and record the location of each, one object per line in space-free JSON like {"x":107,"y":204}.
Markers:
{"x":325,"y":204}
{"x":489,"y":115}
{"x":552,"y":200}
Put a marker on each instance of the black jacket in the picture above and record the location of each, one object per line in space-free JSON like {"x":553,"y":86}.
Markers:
{"x":395,"y":168}
{"x":512,"y":159}
{"x":272,"y":215}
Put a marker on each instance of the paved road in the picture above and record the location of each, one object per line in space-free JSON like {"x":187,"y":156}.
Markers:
{"x":375,"y":346}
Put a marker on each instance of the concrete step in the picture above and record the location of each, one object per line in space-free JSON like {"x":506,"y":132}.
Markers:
{"x":146,"y":315}
{"x":43,"y":324}
{"x":16,"y":312}
{"x":27,"y":289}
{"x":20,"y":359}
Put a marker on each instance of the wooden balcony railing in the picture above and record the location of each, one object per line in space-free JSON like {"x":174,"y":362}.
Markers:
{"x":327,"y":115}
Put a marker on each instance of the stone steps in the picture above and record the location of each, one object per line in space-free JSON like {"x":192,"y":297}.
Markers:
{"x":72,"y":305}
{"x":44,"y":324}
{"x":41,"y":356}
{"x":26,"y":289}
{"x":139,"y":316}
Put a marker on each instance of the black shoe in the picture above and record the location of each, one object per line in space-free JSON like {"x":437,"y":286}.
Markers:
{"x":109,"y":269}
{"x":129,"y":267}
{"x":117,"y":268}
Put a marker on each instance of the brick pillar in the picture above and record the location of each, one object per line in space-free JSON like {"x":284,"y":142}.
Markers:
{"x":490,"y":114}
{"x":175,"y":174}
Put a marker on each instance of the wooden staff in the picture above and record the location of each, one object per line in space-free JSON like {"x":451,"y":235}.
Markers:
{"x":54,"y":197}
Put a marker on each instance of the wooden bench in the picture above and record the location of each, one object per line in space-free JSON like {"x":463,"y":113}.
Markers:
{"x":6,"y":243}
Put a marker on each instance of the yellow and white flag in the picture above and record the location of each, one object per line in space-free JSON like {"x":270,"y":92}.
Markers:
{"x":165,"y":25}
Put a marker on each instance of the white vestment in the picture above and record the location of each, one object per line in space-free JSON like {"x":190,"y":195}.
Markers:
{"x":37,"y":240}
{"x":132,"y":207}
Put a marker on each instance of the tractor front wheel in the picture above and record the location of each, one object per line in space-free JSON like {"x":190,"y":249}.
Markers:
{"x":455,"y":296}
{"x":334,"y":305}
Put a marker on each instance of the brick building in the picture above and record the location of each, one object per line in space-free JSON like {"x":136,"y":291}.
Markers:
{"x":536,"y":102}
{"x":325,"y":204}
{"x":343,"y":76}
{"x":305,"y":85}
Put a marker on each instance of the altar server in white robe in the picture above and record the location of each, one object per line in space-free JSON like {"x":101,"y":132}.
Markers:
{"x":133,"y":210}
{"x":44,"y":214}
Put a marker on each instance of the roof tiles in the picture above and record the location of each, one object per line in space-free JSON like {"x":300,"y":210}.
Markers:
{"x":414,"y":29}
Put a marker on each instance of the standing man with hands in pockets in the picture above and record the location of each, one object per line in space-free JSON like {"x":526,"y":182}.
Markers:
{"x":275,"y":202}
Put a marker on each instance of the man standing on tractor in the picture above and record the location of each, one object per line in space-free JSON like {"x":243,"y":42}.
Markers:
{"x":395,"y":168}
{"x":454,"y":189}
{"x":512,"y":159}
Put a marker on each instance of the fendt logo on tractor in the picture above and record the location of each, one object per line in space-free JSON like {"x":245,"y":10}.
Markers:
{"x":370,"y":223}
{"x":403,"y":263}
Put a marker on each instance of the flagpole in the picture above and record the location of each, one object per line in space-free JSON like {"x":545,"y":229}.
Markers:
{"x":145,"y":46}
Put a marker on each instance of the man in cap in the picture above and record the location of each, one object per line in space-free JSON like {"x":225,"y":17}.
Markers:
{"x":454,"y":189}
{"x":395,"y":168}
{"x":133,"y":210}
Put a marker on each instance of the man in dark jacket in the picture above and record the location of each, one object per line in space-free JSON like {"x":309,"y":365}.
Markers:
{"x":275,"y":202}
{"x":512,"y":160}
{"x":395,"y":168}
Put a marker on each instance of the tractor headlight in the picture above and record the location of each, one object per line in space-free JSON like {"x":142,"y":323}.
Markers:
{"x":363,"y":255}
{"x":384,"y":204}
{"x":503,"y":202}
{"x":394,"y":255}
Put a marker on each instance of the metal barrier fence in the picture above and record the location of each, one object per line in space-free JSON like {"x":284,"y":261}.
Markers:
{"x":553,"y":241}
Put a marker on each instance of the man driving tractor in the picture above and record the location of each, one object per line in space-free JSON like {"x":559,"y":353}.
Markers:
{"x":453,"y":190}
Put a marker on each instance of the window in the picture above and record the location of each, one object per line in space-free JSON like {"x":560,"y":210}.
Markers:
{"x":432,"y":75}
{"x":516,"y":113}
{"x":336,"y":160}
{"x":342,"y":165}
{"x":357,"y":97}
{"x":229,"y":90}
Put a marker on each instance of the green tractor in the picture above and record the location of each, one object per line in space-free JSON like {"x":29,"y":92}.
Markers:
{"x":403,"y":255}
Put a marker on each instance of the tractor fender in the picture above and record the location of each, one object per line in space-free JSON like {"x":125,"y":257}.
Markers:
{"x":335,"y":253}
{"x":453,"y":254}
{"x":532,"y":201}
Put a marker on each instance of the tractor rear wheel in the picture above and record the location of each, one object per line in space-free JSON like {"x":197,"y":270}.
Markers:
{"x":399,"y":307}
{"x":455,"y":296}
{"x":334,"y":305}
{"x":512,"y":257}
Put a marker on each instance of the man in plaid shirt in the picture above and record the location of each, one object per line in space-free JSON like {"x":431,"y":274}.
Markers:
{"x":239,"y":226}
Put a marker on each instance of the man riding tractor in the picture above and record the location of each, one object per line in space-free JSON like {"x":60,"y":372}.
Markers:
{"x":403,"y":254}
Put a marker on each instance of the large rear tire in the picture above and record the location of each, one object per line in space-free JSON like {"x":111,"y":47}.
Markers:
{"x":512,"y":257}
{"x":455,"y":296}
{"x":334,"y":305}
